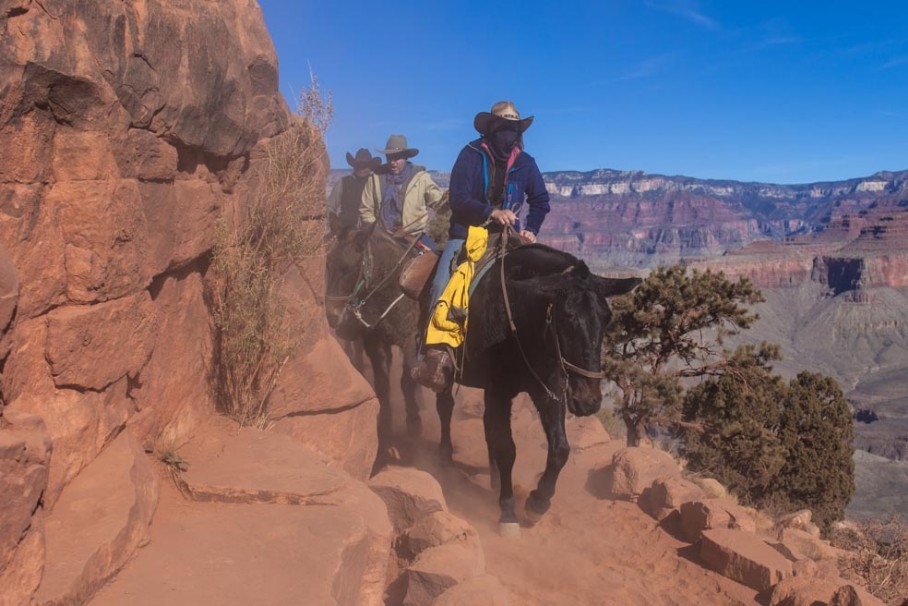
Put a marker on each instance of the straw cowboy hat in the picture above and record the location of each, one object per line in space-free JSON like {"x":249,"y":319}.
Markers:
{"x":397,"y":146}
{"x":503,"y":110}
{"x":363,"y":159}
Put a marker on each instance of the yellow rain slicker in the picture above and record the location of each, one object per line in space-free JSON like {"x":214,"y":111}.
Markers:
{"x":443,"y":330}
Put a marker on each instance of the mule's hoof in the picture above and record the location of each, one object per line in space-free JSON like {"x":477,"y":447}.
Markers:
{"x":532,"y":516}
{"x":509,"y":530}
{"x":536,"y":506}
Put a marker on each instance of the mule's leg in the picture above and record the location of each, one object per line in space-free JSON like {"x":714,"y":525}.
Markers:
{"x":444,"y":404}
{"x":408,"y":387}
{"x":354,"y":351}
{"x":379,"y":357}
{"x":496,"y":421}
{"x":551,"y":413}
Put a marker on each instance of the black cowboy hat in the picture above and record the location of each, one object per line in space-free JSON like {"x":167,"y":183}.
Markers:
{"x":501,"y":111}
{"x":397,"y":146}
{"x":363,"y":159}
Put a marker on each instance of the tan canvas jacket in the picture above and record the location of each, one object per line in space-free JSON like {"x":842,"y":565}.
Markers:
{"x":422,"y":193}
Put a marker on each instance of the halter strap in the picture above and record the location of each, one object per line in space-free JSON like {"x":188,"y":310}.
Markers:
{"x":566,"y":366}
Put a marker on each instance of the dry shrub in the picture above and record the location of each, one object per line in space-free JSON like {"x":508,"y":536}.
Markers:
{"x":282,"y":222}
{"x":877,"y":557}
{"x":439,"y":222}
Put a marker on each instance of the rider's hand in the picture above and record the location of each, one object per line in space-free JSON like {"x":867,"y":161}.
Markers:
{"x":528,"y":235}
{"x":503,"y":216}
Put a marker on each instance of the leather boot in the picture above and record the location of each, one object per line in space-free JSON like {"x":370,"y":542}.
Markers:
{"x":435,"y":370}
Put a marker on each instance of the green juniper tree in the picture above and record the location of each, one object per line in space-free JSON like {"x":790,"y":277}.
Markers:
{"x":817,"y":434}
{"x":672,"y":326}
{"x":733,"y":424}
{"x":779,"y":445}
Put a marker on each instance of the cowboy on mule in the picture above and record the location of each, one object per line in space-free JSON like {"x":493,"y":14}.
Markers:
{"x":536,"y":315}
{"x":490,"y":181}
{"x":363,"y":298}
{"x":343,"y":215}
{"x":536,"y":322}
{"x":399,"y":193}
{"x":347,"y":195}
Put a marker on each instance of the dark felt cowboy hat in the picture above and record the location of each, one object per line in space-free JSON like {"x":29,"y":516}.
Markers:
{"x":397,"y":146}
{"x":501,"y":111}
{"x":363,"y":159}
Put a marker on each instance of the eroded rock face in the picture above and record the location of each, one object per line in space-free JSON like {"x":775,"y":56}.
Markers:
{"x":127,"y":129}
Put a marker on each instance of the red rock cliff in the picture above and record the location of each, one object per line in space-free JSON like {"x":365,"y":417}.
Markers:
{"x":126,"y":127}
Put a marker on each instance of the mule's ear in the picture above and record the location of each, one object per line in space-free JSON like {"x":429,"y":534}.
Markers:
{"x":612,"y":287}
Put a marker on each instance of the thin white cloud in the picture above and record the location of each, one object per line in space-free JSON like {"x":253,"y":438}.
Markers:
{"x":895,"y":62}
{"x":687,"y":9}
{"x":647,"y":68}
{"x":778,"y":41}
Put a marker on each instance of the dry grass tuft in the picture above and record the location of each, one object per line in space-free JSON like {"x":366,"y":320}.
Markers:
{"x":283,"y":222}
{"x":877,"y":556}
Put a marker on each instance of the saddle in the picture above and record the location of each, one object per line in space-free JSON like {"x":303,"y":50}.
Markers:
{"x":448,"y":326}
{"x":416,"y":270}
{"x":415,"y":274}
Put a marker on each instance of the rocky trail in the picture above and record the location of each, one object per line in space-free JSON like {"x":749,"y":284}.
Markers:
{"x":589,"y":548}
{"x":254,"y":516}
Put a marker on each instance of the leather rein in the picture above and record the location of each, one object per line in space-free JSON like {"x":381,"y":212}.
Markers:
{"x":565,"y":365}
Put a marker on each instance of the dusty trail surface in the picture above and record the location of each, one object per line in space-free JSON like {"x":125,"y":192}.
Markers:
{"x":588,"y":549}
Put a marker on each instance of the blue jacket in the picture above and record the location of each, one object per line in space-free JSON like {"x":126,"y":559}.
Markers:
{"x":470,"y":184}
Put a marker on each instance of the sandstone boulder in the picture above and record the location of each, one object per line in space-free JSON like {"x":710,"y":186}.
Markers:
{"x":22,"y":574}
{"x":437,"y":569}
{"x":79,"y":422}
{"x":705,"y":514}
{"x":409,"y":495}
{"x":99,"y":521}
{"x":668,"y":494}
{"x":807,"y":544}
{"x":634,"y":469}
{"x":25,"y":451}
{"x":228,"y":464}
{"x":484,"y":590}
{"x":743,"y":557}
{"x":255,"y":553}
{"x":799,"y":520}
{"x":803,"y":590}
{"x":320,"y":398}
{"x":439,"y":528}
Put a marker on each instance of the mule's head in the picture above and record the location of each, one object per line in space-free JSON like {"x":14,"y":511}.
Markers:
{"x":343,"y":272}
{"x":577,"y":316}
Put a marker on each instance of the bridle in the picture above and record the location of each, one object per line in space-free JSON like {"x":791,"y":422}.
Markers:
{"x":550,"y":324}
{"x":353,"y":302}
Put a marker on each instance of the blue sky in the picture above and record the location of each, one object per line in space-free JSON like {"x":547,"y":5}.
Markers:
{"x":791,"y":91}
